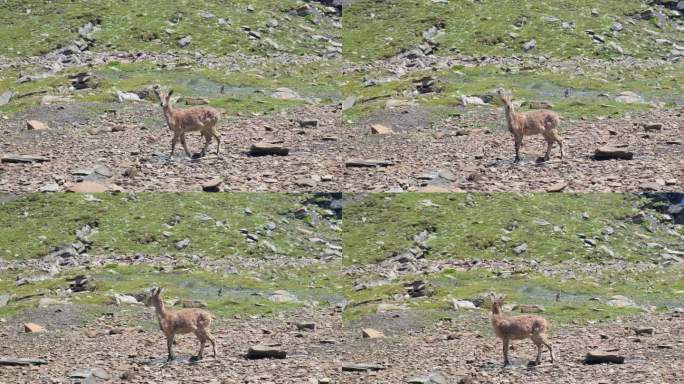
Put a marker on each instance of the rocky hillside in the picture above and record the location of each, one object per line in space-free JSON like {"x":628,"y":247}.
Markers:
{"x":209,"y":27}
{"x":560,"y":29}
{"x":389,"y":288}
{"x":421,"y":94}
{"x":570,"y":253}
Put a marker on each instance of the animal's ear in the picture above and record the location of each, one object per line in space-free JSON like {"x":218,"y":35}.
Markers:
{"x":170,"y":93}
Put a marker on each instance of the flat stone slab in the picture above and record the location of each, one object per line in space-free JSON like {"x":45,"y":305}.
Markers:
{"x":348,"y":103}
{"x":23,"y":159}
{"x":362,"y":367}
{"x":356,"y":163}
{"x":87,"y":187}
{"x":36,"y":125}
{"x":18,"y":362}
{"x":611,"y":153}
{"x":601,"y":357}
{"x":5,"y":97}
{"x":265,"y":352}
{"x":380,"y":129}
{"x":370,"y":333}
{"x":213,"y":185}
{"x":265,"y":149}
{"x":433,"y":378}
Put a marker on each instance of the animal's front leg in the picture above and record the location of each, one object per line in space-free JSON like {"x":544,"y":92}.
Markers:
{"x":173,"y":144}
{"x":518,"y":144}
{"x":169,"y":345}
{"x":505,"y":352}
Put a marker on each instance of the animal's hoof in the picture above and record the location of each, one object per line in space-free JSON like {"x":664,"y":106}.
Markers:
{"x":532,"y":363}
{"x":196,"y":358}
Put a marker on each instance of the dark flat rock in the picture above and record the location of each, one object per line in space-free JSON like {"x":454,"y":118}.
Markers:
{"x":265,"y":352}
{"x":362,"y":367}
{"x":610,"y":153}
{"x":368,"y":163}
{"x":601,"y":357}
{"x":8,"y":361}
{"x":265,"y":149}
{"x":23,"y":159}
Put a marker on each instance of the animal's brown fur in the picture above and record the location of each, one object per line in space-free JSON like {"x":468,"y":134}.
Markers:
{"x":521,"y":124}
{"x":180,"y":121}
{"x":183,"y":321}
{"x":519,"y":328}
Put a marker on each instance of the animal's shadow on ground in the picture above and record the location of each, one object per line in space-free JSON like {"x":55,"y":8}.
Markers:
{"x":180,"y":359}
{"x":515,"y":364}
{"x":162,"y":158}
{"x":511,"y":162}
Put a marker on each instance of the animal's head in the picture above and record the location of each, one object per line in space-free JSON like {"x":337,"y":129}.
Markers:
{"x":497,"y":302}
{"x":504,"y":96}
{"x":164,"y":96}
{"x":155,"y":295}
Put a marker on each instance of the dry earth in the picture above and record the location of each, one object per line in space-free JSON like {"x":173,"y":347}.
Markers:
{"x":462,"y":154}
{"x":73,"y":152}
{"x":468,"y":153}
{"x":125,"y":344}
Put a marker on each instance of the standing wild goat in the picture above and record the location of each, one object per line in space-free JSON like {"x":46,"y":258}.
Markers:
{"x":519,"y":328}
{"x":180,"y":121}
{"x":192,"y":320}
{"x":521,"y":124}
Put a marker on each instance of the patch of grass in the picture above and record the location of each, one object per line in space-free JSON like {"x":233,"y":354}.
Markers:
{"x":581,"y":298}
{"x":247,"y":91}
{"x":589,"y":94}
{"x":36,"y":27}
{"x":127,"y":224}
{"x":244,"y":293}
{"x":475,"y":226}
{"x":372,"y":30}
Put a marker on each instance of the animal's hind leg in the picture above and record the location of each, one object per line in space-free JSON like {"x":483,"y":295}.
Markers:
{"x":208,"y":336}
{"x":214,"y":132}
{"x":546,"y":343}
{"x":549,"y":146}
{"x":551,"y":137}
{"x":539,"y":340}
{"x":538,"y":343}
{"x":202,"y":339}
{"x":207,"y":141}
{"x":560,"y":145}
